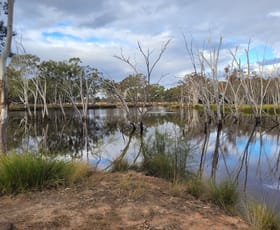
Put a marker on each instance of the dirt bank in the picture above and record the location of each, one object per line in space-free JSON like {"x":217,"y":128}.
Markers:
{"x":113,"y":201}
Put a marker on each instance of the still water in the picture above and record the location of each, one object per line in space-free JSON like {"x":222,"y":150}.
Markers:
{"x":250,"y":156}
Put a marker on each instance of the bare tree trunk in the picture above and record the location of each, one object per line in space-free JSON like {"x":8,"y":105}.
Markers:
{"x":3,"y":79}
{"x":42,"y":90}
{"x":150,"y":65}
{"x":61,"y":106}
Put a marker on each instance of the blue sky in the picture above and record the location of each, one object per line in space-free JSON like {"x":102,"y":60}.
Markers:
{"x":95,"y":31}
{"x":259,"y":54}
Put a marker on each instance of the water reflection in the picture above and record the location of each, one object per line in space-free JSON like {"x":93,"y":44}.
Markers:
{"x":240,"y":150}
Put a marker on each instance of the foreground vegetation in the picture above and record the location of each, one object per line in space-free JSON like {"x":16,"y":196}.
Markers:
{"x":23,"y":172}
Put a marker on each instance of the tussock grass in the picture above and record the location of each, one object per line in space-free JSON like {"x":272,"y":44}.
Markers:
{"x":260,"y":217}
{"x":223,"y":194}
{"x":159,"y":165}
{"x":196,"y":187}
{"x":22,"y":172}
{"x":80,"y":170}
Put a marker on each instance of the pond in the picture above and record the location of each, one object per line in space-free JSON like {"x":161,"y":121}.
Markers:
{"x":248,"y":154}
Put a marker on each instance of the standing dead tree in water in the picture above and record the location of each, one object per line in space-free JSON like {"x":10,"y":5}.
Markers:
{"x":210,"y":92}
{"x":150,"y":62}
{"x":254,"y":84}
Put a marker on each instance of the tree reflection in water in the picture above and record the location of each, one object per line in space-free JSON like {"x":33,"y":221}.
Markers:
{"x":241,"y":151}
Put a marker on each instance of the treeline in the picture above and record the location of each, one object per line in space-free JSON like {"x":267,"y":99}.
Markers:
{"x":35,"y":83}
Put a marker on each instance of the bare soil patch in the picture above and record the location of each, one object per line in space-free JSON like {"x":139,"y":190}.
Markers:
{"x":113,"y":201}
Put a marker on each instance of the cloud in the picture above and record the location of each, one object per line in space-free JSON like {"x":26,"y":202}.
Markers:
{"x":270,"y":61}
{"x":274,"y":14}
{"x":97,"y":30}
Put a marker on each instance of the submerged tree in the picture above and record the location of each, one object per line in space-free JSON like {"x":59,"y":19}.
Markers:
{"x":150,"y":61}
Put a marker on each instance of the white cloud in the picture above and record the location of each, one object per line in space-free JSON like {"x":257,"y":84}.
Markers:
{"x":106,"y":26}
{"x":274,"y":14}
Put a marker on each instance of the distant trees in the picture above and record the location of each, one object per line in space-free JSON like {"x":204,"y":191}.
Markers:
{"x":22,"y":69}
{"x":52,"y":82}
{"x":37,"y":84}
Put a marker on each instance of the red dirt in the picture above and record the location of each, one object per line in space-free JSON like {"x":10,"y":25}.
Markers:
{"x":113,"y":201}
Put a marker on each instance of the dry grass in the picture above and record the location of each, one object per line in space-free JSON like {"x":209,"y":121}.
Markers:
{"x":260,"y":217}
{"x":133,"y":189}
{"x":179,"y":189}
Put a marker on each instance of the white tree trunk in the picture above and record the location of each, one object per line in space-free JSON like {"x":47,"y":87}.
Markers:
{"x":3,"y":78}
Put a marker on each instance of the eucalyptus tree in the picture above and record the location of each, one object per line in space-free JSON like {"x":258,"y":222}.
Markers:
{"x":23,"y":69}
{"x":6,"y":34}
{"x":80,"y":85}
{"x":133,"y":88}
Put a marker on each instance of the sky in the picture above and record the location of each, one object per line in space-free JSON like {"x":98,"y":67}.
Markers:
{"x":98,"y":30}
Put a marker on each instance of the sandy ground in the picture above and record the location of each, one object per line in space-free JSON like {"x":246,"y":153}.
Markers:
{"x":113,"y":201}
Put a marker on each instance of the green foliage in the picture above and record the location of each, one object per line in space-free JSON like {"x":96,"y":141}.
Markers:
{"x":172,"y":94}
{"x":133,"y":88}
{"x":23,"y":172}
{"x":260,"y":217}
{"x":224,"y":194}
{"x":165,"y":156}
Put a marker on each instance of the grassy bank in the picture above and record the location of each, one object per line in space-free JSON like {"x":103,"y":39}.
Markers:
{"x":267,"y":109}
{"x":97,"y":105}
{"x":28,"y":172}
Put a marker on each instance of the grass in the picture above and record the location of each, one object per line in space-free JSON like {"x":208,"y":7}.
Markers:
{"x":178,"y":189}
{"x":223,"y":194}
{"x":165,"y":156}
{"x":133,"y":189}
{"x":23,"y":172}
{"x":260,"y":217}
{"x":269,"y":109}
{"x":196,"y":187}
{"x":120,"y":165}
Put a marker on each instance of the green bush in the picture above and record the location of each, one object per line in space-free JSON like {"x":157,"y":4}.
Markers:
{"x":21,"y":172}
